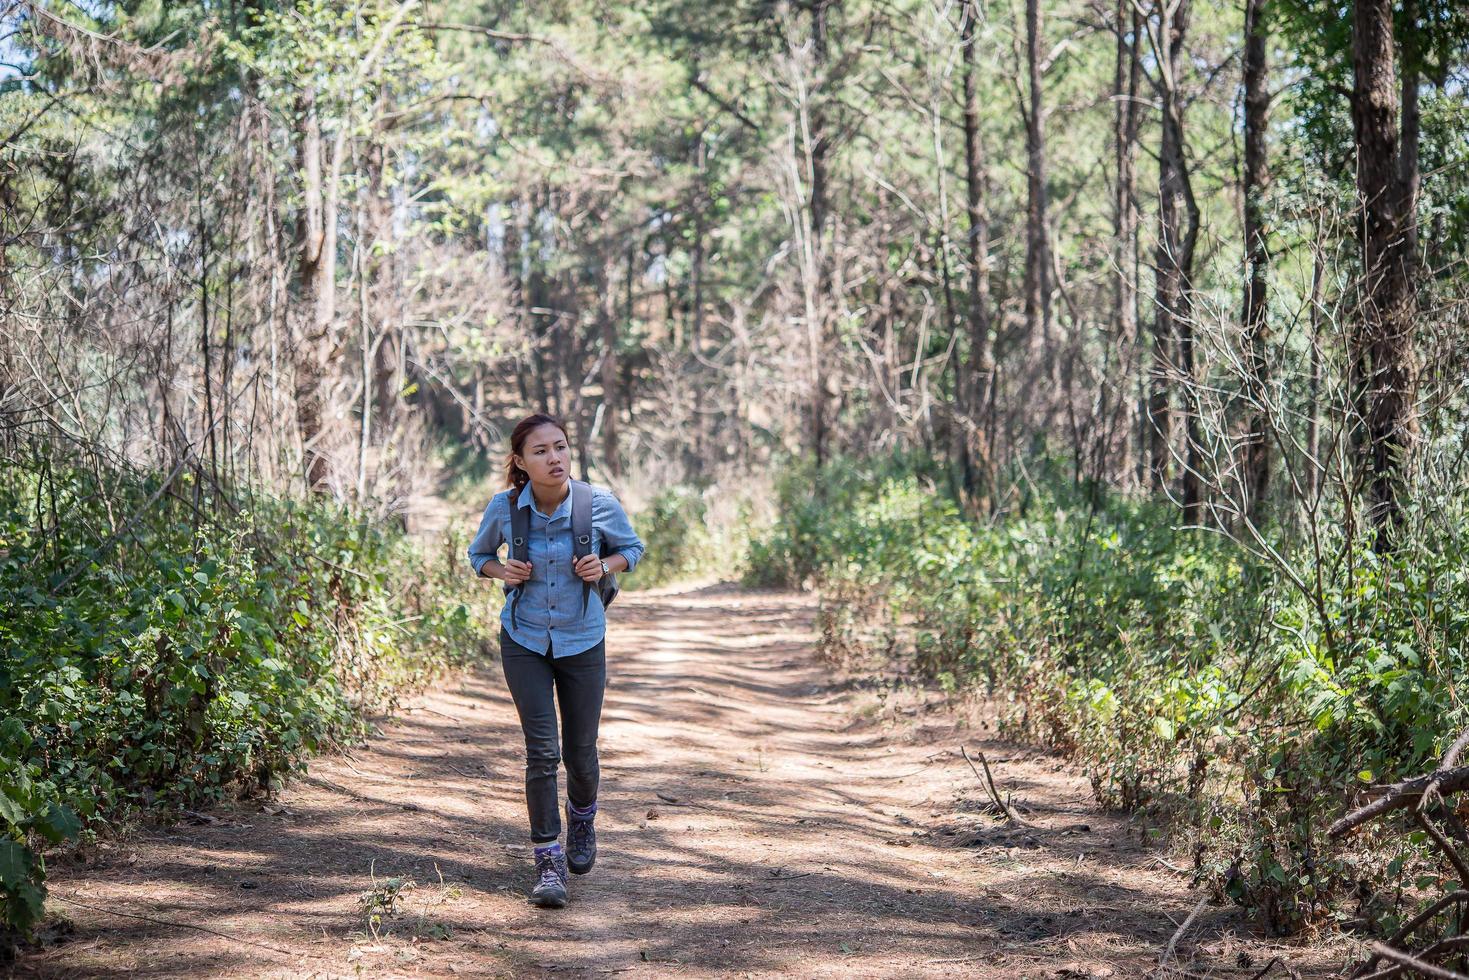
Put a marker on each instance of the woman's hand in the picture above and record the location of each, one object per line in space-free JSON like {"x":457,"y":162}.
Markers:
{"x":588,"y":568}
{"x":516,"y":572}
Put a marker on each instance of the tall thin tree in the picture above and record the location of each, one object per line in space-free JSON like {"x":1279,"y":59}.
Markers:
{"x":1256,"y":468}
{"x":1037,"y":237}
{"x":1383,"y":359}
{"x":978,"y":464}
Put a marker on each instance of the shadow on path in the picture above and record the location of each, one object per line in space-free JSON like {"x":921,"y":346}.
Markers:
{"x":748,"y":827}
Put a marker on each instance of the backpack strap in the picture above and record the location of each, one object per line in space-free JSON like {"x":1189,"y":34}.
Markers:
{"x":581,"y":531}
{"x":519,"y":548}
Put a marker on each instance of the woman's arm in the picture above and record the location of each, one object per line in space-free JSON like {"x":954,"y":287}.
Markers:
{"x":623,"y":546}
{"x":485,"y":548}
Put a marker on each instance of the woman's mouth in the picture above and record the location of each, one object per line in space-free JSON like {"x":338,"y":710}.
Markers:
{"x":557,"y":471}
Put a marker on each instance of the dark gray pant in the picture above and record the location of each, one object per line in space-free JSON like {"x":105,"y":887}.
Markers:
{"x":578,"y":683}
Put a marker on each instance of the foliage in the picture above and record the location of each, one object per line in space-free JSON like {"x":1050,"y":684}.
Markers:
{"x":1191,"y":680}
{"x":165,"y":659}
{"x":692,"y":533}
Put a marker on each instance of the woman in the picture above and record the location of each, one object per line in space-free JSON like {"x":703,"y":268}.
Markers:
{"x":552,"y":636}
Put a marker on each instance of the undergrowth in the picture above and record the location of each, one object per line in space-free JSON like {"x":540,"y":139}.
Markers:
{"x":1244,"y":707}
{"x":693,"y":533}
{"x":164,"y":649}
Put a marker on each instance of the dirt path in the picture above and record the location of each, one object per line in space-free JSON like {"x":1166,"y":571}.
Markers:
{"x":760,"y":817}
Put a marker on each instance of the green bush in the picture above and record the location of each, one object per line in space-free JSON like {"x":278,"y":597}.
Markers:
{"x":1186,"y":677}
{"x":186,"y":656}
{"x":691,"y":533}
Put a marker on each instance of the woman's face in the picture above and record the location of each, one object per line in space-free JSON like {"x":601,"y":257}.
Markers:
{"x":545,"y":455}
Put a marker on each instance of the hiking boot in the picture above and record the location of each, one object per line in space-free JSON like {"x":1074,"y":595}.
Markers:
{"x":549,"y":891}
{"x":581,"y":841}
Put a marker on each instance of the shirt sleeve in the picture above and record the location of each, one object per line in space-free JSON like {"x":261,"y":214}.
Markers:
{"x":617,"y":533}
{"x":488,"y":538}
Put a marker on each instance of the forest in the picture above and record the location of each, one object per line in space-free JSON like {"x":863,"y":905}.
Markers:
{"x":1103,"y":359}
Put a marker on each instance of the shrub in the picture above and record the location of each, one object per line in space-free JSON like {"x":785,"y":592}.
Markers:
{"x":1236,"y":701}
{"x":693,"y":533}
{"x":188,"y":656}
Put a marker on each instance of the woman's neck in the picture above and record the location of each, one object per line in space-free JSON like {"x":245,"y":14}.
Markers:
{"x":548,"y":498}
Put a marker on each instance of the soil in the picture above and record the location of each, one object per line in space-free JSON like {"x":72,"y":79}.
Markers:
{"x":762,"y":814}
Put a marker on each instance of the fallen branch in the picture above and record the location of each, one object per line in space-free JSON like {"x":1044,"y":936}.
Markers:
{"x":1171,"y":867}
{"x":1443,"y":844}
{"x":1412,"y":925}
{"x":1274,"y":962}
{"x":675,"y":801}
{"x":1401,"y":795}
{"x":1412,"y":962}
{"x":988,"y":781}
{"x":1418,"y":794}
{"x":1438,"y":949}
{"x":1180,"y":931}
{"x":1451,"y":757}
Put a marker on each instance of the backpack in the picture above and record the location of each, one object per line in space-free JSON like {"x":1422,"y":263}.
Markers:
{"x":581,"y":546}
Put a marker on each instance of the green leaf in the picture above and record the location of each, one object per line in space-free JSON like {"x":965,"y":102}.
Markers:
{"x":11,"y":811}
{"x":59,"y":824}
{"x":15,"y":863}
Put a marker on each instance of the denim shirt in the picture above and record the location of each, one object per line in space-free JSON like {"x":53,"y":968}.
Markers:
{"x":549,"y":611}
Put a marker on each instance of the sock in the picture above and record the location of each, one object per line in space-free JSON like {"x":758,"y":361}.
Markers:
{"x":581,"y":814}
{"x":552,"y":847}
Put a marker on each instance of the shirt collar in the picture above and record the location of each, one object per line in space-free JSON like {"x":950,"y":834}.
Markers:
{"x":527,"y":498}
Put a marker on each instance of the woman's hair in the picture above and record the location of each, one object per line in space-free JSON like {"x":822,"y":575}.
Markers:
{"x":515,"y":477}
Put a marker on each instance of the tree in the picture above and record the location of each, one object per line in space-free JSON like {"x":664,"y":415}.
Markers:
{"x":1178,"y":234}
{"x":1382,"y":354}
{"x":1125,"y":86}
{"x":1037,"y":235}
{"x":977,"y":393}
{"x":1256,"y":179}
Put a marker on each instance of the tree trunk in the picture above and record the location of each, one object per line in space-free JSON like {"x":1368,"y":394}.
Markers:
{"x":1178,"y":225}
{"x":607,"y":312}
{"x":537,"y":319}
{"x":976,"y":393}
{"x":1125,"y":82}
{"x":700,"y":201}
{"x":1256,"y":325}
{"x":316,"y":281}
{"x":1314,"y":468}
{"x":1383,"y":361}
{"x":1165,"y":303}
{"x":201,"y":232}
{"x":818,"y":150}
{"x":1037,"y":238}
{"x":1408,"y":167}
